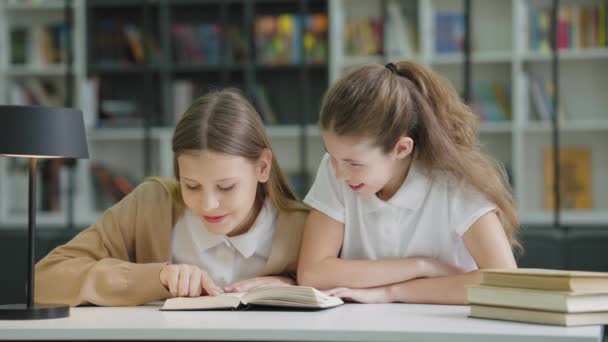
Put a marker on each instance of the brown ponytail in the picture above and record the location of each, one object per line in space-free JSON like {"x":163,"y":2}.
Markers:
{"x":409,"y":99}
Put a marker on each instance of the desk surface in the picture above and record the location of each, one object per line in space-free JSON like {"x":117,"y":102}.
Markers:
{"x":350,"y":322}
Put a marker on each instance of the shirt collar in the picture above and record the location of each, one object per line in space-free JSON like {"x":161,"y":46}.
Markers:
{"x":246,"y":243}
{"x":409,"y":195}
{"x":205,"y":240}
{"x":260,"y":231}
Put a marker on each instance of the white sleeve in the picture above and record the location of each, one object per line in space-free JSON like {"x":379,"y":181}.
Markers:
{"x":326,"y":194}
{"x":466,"y":206}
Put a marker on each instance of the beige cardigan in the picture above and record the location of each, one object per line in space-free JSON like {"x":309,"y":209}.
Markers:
{"x":117,"y":261}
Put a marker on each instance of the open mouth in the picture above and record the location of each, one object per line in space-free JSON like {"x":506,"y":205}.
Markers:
{"x":357,"y":186}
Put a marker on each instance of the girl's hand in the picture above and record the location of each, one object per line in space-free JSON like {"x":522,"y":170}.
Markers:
{"x":437,"y":268}
{"x":372,"y":295}
{"x":187,"y":281}
{"x":249,"y":284}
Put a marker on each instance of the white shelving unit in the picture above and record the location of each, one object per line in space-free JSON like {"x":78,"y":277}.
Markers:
{"x":25,"y":14}
{"x":500,"y":52}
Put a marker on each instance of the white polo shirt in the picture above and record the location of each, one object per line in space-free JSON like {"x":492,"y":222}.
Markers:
{"x":427,"y":216}
{"x":225,"y":259}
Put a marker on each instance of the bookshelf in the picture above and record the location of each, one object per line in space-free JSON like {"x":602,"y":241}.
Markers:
{"x":133,"y":62}
{"x":141,"y":147}
{"x":507,"y":47}
{"x":191,"y":47}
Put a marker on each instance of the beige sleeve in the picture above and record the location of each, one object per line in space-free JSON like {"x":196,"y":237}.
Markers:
{"x":97,"y":266}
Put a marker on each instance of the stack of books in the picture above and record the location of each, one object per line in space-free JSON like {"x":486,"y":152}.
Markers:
{"x":542,"y":296}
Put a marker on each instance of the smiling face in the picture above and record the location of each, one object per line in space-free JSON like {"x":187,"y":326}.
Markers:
{"x":364,"y":167}
{"x":222,"y":189}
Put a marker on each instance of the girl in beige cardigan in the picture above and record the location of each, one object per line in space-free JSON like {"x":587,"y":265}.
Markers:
{"x":229,"y":197}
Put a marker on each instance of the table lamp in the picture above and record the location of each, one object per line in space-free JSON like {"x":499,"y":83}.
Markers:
{"x":39,"y":132}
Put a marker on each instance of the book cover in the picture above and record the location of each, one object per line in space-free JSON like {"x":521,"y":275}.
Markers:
{"x":546,"y":279}
{"x":558,"y":301}
{"x":575,"y":178}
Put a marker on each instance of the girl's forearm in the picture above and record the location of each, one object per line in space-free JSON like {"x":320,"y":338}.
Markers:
{"x":335,"y":272}
{"x":439,"y":290}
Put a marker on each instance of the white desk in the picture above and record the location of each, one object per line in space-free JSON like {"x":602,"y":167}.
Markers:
{"x":351,"y":322}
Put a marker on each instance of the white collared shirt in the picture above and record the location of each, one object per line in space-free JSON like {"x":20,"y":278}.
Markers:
{"x":428,"y":216}
{"x":225,"y":259}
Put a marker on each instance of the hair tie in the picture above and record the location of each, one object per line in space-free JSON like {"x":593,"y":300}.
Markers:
{"x":392,"y":67}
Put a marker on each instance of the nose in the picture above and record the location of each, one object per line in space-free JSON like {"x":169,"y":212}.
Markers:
{"x":209,"y":201}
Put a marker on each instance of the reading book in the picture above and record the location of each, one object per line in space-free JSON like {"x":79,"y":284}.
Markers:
{"x":545,"y":279}
{"x":560,"y":301}
{"x":301,"y":297}
{"x":538,"y":316}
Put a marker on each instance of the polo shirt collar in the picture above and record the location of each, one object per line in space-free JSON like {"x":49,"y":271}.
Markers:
{"x":410,"y":195}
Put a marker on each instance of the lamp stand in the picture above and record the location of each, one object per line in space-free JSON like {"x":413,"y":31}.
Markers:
{"x":29,"y":310}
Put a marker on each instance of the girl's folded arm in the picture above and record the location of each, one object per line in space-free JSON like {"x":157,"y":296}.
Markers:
{"x":320,"y":267}
{"x":488,"y":245}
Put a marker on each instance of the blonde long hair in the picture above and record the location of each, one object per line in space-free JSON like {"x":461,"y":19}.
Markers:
{"x":225,"y":122}
{"x":414,"y":101}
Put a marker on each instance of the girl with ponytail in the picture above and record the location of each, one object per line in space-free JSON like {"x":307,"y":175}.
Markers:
{"x":406,"y":207}
{"x":228,"y":222}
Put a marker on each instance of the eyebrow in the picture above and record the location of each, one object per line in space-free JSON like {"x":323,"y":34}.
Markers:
{"x":348,"y":160}
{"x":217,"y":181}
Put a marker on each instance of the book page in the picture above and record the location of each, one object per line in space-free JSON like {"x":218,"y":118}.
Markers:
{"x":291,"y":296}
{"x":222,"y":301}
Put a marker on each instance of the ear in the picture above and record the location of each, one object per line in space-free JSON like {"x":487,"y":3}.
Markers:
{"x":264,"y":165}
{"x":403,"y":147}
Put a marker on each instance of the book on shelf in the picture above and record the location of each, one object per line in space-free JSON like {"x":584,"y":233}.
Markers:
{"x":197,"y":43}
{"x":290,"y":297}
{"x":539,"y":316}
{"x":291,"y":39}
{"x":38,"y":44}
{"x":237,"y":51}
{"x":491,"y":101}
{"x":117,"y":41}
{"x":578,"y":27}
{"x":109,"y":186}
{"x":575,"y":178}
{"x":364,"y":37}
{"x":546,"y":279}
{"x":400,"y":30}
{"x":449,"y":32}
{"x":541,"y":100}
{"x":261,"y":100}
{"x":315,"y":38}
{"x":38,"y":92}
{"x":537,"y":299}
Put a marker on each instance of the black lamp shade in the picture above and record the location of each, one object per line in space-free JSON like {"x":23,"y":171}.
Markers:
{"x":42,"y":132}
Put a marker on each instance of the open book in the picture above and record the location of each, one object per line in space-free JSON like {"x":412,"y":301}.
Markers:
{"x":301,"y":297}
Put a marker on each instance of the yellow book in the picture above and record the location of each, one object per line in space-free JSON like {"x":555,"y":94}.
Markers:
{"x":575,"y":178}
{"x":559,"y":301}
{"x":601,"y":25}
{"x":294,"y":297}
{"x":537,"y":316}
{"x":545,"y":279}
